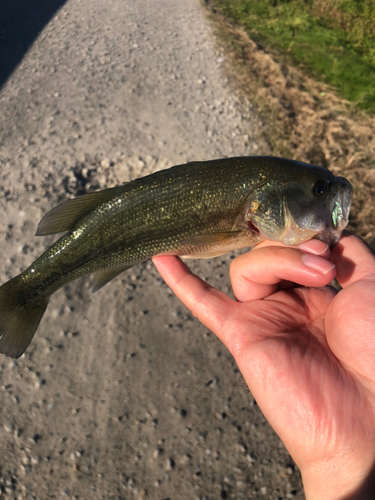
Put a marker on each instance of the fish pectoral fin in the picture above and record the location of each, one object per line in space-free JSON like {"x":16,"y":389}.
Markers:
{"x":103,"y":276}
{"x":64,"y":217}
{"x":210,"y":239}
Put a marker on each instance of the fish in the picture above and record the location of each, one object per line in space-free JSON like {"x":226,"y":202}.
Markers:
{"x":200,"y":209}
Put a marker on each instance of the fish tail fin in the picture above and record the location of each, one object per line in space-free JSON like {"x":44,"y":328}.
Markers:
{"x":19,"y":317}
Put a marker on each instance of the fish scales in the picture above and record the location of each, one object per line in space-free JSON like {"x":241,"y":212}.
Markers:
{"x":199,"y":209}
{"x":144,"y":207}
{"x":133,"y":226}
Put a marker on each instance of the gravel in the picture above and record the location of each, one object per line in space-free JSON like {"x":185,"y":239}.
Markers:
{"x":123,"y":394}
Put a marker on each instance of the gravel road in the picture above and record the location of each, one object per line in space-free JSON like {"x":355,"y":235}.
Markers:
{"x":122,"y":394}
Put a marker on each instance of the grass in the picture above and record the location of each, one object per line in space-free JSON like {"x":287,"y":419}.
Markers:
{"x":334,"y":39}
{"x":301,"y":117}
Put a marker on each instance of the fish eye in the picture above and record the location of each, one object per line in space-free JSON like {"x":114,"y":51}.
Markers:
{"x":320,"y":188}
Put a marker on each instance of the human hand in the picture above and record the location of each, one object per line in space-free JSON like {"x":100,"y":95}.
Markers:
{"x":307,"y":353}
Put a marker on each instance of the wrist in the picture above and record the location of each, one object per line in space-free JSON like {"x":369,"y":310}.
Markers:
{"x":340,"y":479}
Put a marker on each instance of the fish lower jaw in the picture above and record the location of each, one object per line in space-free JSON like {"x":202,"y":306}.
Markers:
{"x":294,"y":236}
{"x":328,"y":236}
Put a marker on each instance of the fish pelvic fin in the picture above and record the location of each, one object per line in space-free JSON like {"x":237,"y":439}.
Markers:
{"x":64,"y":217}
{"x":19,"y":318}
{"x":210,"y":239}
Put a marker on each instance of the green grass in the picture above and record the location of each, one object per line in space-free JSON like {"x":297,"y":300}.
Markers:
{"x":334,"y":39}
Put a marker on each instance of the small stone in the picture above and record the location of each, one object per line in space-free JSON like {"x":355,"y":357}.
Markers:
{"x":170,"y":464}
{"x":241,"y":447}
{"x":105,"y":163}
{"x":185,"y":459}
{"x":212,"y":382}
{"x":36,"y":438}
{"x":25,"y":469}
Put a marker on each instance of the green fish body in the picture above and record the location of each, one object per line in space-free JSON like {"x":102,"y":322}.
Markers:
{"x":201,"y":209}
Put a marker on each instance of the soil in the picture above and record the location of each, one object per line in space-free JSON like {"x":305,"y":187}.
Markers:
{"x":123,"y":394}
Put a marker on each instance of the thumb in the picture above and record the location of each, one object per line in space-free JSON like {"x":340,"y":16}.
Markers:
{"x":350,"y":320}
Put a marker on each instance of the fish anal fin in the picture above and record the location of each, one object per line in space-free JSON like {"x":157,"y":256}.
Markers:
{"x":103,"y":276}
{"x":64,"y":217}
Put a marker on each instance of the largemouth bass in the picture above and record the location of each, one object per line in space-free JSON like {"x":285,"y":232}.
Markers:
{"x":201,"y":209}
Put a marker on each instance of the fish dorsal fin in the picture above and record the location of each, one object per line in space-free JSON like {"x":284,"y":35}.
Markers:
{"x":64,"y":217}
{"x":210,"y":239}
{"x":103,"y":276}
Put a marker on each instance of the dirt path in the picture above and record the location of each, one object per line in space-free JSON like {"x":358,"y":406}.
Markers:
{"x":122,"y":394}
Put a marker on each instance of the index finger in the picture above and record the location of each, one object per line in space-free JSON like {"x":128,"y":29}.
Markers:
{"x":208,"y":304}
{"x":354,"y":260}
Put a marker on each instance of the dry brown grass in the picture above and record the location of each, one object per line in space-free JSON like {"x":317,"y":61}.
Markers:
{"x":305,"y":120}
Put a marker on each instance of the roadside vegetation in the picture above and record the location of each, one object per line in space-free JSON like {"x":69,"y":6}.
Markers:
{"x":334,"y":39}
{"x":308,"y":68}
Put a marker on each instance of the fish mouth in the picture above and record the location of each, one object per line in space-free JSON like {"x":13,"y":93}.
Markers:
{"x":337,"y":217}
{"x":332,"y":222}
{"x":341,"y":205}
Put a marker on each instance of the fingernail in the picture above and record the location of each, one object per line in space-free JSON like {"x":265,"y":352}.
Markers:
{"x":317,"y":263}
{"x":315,"y":247}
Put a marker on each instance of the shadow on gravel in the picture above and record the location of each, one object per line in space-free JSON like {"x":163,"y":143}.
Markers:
{"x":21,"y":21}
